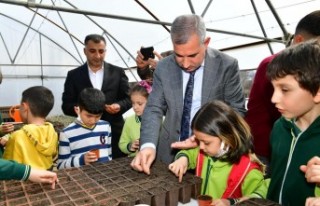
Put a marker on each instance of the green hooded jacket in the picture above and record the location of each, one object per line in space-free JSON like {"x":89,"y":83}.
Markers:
{"x":292,"y":148}
{"x":10,"y":170}
{"x":215,"y":175}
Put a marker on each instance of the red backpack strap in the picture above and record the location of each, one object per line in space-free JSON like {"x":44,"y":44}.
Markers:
{"x":237,"y":175}
{"x":199,"y":165}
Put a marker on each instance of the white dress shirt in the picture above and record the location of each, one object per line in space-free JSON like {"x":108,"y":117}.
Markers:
{"x":96,"y":78}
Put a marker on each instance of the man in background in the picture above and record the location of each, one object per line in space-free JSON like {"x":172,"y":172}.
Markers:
{"x":108,"y":78}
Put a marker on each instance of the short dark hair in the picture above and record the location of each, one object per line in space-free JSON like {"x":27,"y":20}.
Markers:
{"x":96,"y":38}
{"x":310,"y":24}
{"x":40,"y":100}
{"x":301,"y":61}
{"x":218,"y":119}
{"x":91,"y":100}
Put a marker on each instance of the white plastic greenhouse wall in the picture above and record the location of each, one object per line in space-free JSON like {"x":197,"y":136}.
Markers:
{"x":40,"y":41}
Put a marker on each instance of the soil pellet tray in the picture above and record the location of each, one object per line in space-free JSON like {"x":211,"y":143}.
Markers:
{"x":112,"y":183}
{"x":258,"y":202}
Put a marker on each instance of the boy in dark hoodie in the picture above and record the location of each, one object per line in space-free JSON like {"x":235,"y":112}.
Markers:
{"x":295,"y":76}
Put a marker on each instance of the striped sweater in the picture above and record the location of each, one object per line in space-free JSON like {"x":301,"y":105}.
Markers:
{"x":76,"y":140}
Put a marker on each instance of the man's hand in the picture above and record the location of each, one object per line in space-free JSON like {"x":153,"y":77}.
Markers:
{"x":179,"y":167}
{"x":143,"y":64}
{"x":112,"y":108}
{"x":43,"y":176}
{"x":312,"y":170}
{"x":143,"y":160}
{"x":153,"y":62}
{"x":189,"y":143}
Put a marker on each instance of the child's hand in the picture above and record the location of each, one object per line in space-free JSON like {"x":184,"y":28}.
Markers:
{"x":312,"y":201}
{"x":90,"y":157}
{"x":220,"y":202}
{"x":179,"y":167}
{"x":43,"y":176}
{"x":135,"y":145}
{"x":6,"y":127}
{"x":4,"y":139}
{"x":141,"y":64}
{"x":312,"y":170}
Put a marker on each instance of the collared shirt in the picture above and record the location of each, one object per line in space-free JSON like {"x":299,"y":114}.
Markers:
{"x":196,"y":98}
{"x":96,"y":78}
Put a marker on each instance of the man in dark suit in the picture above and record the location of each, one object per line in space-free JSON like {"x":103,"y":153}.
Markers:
{"x":110,"y":79}
{"x":216,"y":78}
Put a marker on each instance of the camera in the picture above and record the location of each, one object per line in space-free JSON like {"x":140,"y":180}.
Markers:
{"x":147,"y":52}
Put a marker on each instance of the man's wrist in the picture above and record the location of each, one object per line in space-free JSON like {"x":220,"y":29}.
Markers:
{"x":145,"y":145}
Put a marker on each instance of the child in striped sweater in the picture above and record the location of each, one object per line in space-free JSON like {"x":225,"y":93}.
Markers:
{"x":86,"y":134}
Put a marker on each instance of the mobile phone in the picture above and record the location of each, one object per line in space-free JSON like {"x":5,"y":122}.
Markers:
{"x":147,"y":52}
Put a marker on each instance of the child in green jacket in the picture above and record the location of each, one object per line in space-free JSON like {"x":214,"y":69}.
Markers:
{"x":295,"y":137}
{"x":11,"y":170}
{"x":129,"y":139}
{"x":224,"y":155}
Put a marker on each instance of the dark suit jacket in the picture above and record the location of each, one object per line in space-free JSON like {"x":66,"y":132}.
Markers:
{"x":221,"y":81}
{"x":115,"y":86}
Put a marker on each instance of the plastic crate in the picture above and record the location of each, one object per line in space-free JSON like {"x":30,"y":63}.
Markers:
{"x":4,"y":112}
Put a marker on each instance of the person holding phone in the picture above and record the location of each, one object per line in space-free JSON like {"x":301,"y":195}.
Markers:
{"x":146,"y":62}
{"x":99,"y":74}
